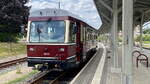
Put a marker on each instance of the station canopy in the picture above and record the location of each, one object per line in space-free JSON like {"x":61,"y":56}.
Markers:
{"x":105,"y":10}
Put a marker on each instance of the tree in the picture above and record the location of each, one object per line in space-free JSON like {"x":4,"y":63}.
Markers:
{"x":13,"y":14}
{"x":147,"y":31}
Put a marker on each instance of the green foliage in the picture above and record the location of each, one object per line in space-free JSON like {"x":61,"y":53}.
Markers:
{"x":101,"y":37}
{"x":13,"y":14}
{"x":147,"y":31}
{"x":120,"y":39}
{"x":146,"y":42}
{"x":144,"y":38}
{"x":137,"y":39}
{"x":7,"y":37}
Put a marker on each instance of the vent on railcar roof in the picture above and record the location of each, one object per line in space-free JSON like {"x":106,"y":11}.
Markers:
{"x":52,"y":12}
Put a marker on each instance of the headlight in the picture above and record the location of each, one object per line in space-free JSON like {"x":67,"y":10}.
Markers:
{"x":62,"y":49}
{"x":31,"y":49}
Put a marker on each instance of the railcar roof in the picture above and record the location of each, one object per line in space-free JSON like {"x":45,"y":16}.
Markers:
{"x":45,"y":13}
{"x":52,"y":12}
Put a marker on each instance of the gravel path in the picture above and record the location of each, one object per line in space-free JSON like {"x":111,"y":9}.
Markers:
{"x":12,"y":75}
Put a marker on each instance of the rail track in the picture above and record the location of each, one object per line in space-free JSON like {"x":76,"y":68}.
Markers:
{"x":37,"y":77}
{"x":12,"y":62}
{"x":56,"y":81}
{"x":41,"y":76}
{"x":54,"y":76}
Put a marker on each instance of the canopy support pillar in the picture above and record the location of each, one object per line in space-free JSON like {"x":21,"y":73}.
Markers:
{"x":127,"y":26}
{"x":115,"y":37}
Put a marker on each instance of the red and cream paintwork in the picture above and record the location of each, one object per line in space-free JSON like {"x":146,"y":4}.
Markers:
{"x":64,"y":55}
{"x":51,"y":53}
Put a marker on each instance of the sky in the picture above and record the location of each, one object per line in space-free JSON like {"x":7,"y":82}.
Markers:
{"x":146,"y":25}
{"x":83,"y":8}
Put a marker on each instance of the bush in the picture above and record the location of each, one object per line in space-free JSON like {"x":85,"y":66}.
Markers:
{"x":7,"y":37}
{"x":144,"y":38}
{"x":120,"y":39}
{"x":137,"y":39}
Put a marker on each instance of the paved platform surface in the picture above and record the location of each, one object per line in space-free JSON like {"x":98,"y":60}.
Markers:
{"x":86,"y":75}
{"x":141,"y":75}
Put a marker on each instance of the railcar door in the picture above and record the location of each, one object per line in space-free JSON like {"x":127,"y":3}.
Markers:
{"x":78,"y":41}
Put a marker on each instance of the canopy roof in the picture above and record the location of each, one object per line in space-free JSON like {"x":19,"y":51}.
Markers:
{"x":105,"y":10}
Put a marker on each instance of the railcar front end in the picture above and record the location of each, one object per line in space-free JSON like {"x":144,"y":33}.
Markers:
{"x":51,"y":43}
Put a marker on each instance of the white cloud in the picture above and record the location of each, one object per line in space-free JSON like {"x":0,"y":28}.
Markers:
{"x":83,"y":8}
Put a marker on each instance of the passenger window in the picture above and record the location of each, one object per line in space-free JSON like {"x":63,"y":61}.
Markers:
{"x":82,"y":33}
{"x":72,"y":32}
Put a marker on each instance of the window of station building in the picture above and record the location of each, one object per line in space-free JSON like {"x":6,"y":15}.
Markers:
{"x":72,"y":32}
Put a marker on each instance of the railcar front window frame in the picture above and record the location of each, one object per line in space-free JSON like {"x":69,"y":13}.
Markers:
{"x":60,"y":30}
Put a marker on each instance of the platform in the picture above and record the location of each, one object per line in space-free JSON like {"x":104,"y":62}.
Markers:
{"x":99,"y":70}
{"x":141,"y":74}
{"x":88,"y":75}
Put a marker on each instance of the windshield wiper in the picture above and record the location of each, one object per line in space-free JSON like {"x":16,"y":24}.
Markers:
{"x":38,"y":31}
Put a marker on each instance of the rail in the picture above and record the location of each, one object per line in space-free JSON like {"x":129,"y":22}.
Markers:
{"x":40,"y":77}
{"x":12,"y":62}
{"x":37,"y":77}
{"x":55,"y":81}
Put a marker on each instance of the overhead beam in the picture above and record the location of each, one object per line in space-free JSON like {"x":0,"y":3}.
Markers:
{"x":147,"y":11}
{"x":106,"y":5}
{"x":106,"y":17}
{"x":135,"y":1}
{"x":144,"y":3}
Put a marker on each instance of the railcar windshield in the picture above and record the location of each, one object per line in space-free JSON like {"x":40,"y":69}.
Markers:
{"x":47,"y":31}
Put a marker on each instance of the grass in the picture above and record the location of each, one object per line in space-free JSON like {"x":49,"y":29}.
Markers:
{"x":22,"y":78}
{"x":11,"y":49}
{"x":146,"y":42}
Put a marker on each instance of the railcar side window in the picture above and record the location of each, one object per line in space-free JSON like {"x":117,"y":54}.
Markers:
{"x":82,"y":33}
{"x":72,"y":32}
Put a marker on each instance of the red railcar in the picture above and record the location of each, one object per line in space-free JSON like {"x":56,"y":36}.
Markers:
{"x":58,"y":41}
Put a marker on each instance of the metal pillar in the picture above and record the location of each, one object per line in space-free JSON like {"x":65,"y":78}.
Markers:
{"x":115,"y":34}
{"x":141,"y":31}
{"x":127,"y":25}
